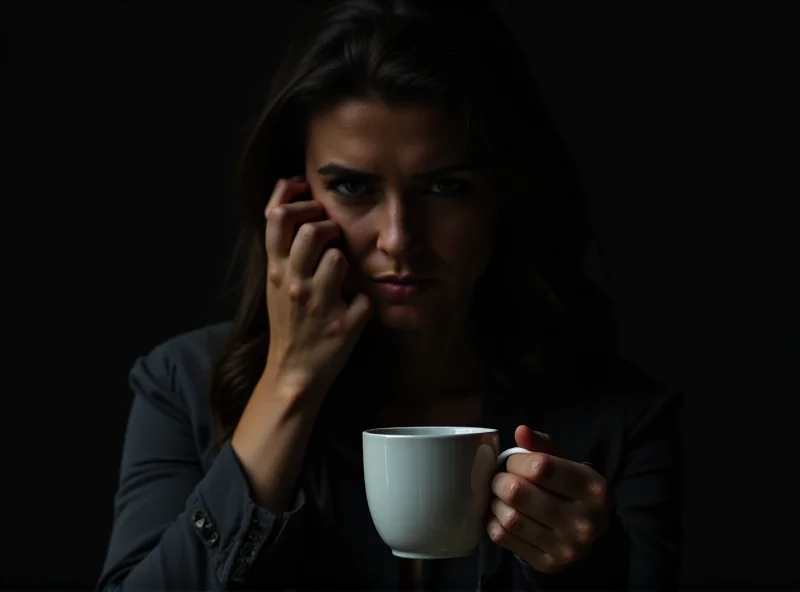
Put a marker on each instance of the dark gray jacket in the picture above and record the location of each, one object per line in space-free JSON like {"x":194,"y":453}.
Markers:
{"x":184,"y":518}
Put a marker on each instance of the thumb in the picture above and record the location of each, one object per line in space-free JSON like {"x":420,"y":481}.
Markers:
{"x":534,"y":441}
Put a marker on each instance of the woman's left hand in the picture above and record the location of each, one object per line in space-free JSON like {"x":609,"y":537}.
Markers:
{"x":548,"y":511}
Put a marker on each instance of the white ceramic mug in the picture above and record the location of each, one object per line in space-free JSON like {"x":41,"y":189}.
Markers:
{"x":428,"y":488}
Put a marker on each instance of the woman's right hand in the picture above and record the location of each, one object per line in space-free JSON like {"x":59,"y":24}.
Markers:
{"x":312,"y":329}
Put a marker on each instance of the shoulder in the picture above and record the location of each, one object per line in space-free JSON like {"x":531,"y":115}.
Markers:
{"x":613,"y":386}
{"x":623,"y":390}
{"x":175,"y":375}
{"x":187,"y":353}
{"x":615,"y":403}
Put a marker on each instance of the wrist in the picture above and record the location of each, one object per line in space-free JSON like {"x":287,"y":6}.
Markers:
{"x":289,"y":386}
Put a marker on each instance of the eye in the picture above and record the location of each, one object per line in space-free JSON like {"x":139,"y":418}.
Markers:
{"x":347,"y":187}
{"x":449,"y":187}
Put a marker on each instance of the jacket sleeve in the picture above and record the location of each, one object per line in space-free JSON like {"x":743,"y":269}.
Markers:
{"x":176,"y":527}
{"x":641,"y":550}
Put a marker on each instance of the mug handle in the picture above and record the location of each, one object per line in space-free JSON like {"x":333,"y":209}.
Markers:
{"x":505,"y":454}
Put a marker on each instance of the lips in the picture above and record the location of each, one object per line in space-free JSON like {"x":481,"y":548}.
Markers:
{"x":403,"y":287}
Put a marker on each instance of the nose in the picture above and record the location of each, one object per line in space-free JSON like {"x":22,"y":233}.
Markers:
{"x":398,"y":233}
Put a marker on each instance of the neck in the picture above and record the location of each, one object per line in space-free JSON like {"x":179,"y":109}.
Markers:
{"x":427,"y":365}
{"x":440,"y":373}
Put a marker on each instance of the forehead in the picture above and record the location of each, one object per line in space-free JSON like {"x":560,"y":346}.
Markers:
{"x":360,"y":131}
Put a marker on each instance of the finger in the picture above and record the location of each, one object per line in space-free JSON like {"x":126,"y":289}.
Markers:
{"x":525,"y":527}
{"x":331,"y":271}
{"x":308,"y":245}
{"x":572,"y":480}
{"x":285,"y":190}
{"x":532,"y":555}
{"x":533,"y":501}
{"x":358,"y":313}
{"x":281,"y":224}
{"x":534,"y":441}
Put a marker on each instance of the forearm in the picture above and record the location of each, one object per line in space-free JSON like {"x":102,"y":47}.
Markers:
{"x":271,"y":439}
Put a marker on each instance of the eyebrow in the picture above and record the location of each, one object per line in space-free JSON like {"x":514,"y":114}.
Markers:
{"x":338,"y":169}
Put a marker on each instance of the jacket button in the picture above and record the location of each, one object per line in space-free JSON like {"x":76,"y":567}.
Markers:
{"x":200,"y":519}
{"x":205,"y":527}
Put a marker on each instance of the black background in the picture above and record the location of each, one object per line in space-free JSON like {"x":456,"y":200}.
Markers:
{"x":125,"y":119}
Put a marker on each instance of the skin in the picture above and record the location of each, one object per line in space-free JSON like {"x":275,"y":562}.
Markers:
{"x":547,"y":510}
{"x":403,"y":220}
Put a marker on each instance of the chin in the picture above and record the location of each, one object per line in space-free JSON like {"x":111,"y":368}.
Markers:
{"x":406,"y":318}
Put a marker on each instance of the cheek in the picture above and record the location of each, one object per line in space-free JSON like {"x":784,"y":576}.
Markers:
{"x":356,"y":233}
{"x":465,"y":241}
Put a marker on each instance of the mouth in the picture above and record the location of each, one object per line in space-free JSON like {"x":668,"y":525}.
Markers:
{"x":401,"y":287}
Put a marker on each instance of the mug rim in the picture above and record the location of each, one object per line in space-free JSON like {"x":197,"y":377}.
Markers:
{"x":463,"y":432}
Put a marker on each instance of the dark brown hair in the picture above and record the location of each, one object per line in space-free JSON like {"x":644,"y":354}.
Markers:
{"x":534,"y":308}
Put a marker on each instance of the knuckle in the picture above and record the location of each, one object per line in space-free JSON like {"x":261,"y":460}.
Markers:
{"x":274,"y":274}
{"x":276,"y":214}
{"x":539,"y":465}
{"x":336,"y":257}
{"x":336,"y":327}
{"x":567,"y":554}
{"x":497,"y":533}
{"x":515,"y":490}
{"x":308,"y":232}
{"x":297,"y":292}
{"x":511,"y":520}
{"x":584,"y":531}
{"x":599,"y":492}
{"x":314,"y":307}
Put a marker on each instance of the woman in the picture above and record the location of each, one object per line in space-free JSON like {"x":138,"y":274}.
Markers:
{"x":414,"y":237}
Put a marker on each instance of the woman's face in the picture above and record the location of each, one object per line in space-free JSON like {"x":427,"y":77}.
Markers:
{"x":418,"y":216}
